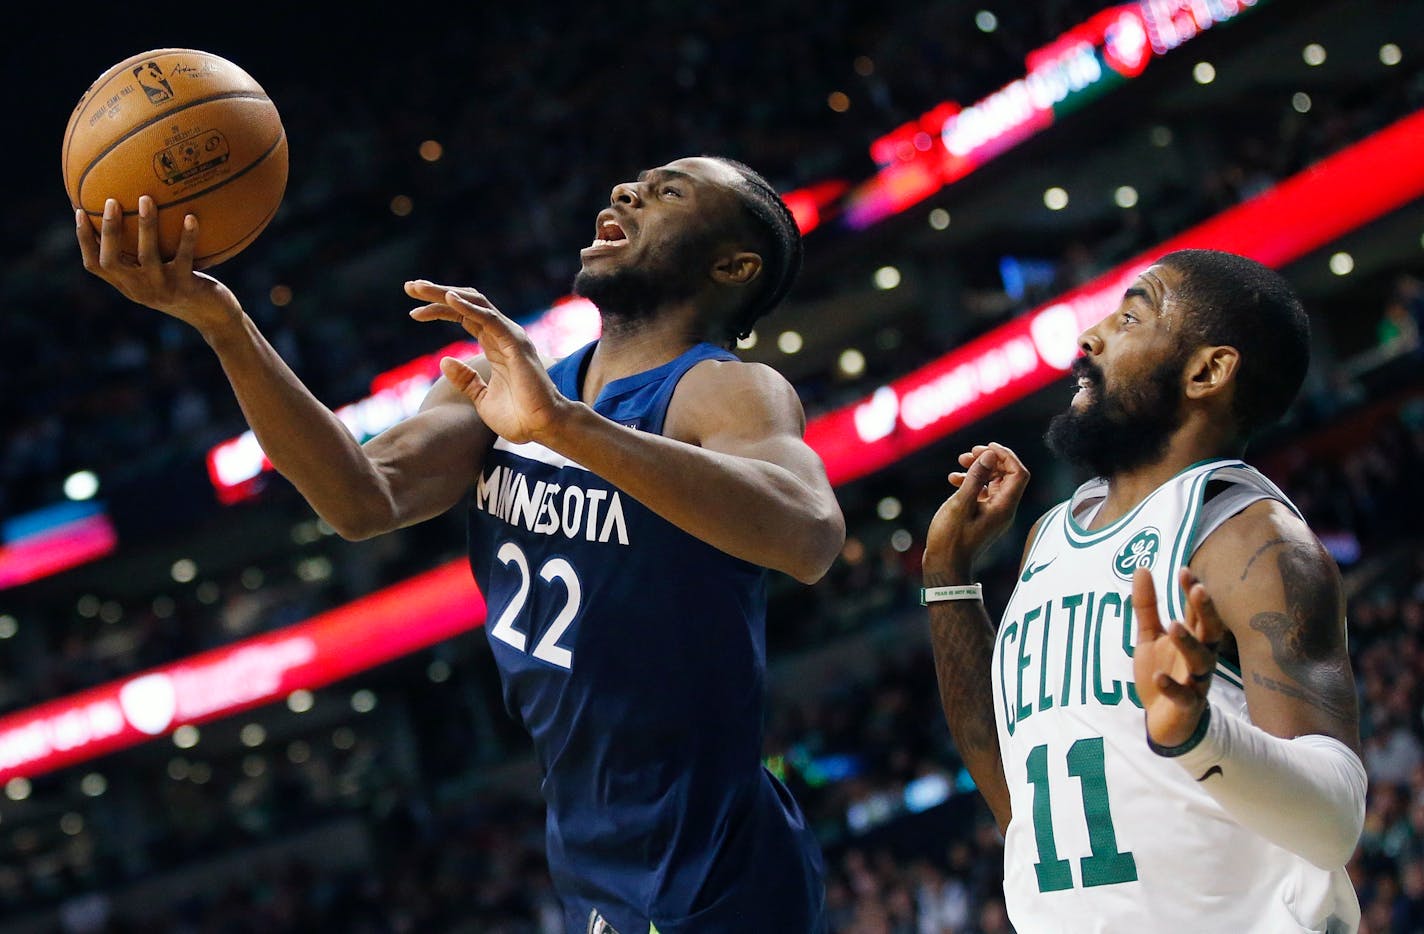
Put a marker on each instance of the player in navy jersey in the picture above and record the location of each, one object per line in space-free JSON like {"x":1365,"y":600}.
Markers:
{"x":625,"y":507}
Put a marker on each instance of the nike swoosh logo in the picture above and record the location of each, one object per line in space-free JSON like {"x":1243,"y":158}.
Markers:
{"x":1031,"y":570}
{"x":1214,"y":770}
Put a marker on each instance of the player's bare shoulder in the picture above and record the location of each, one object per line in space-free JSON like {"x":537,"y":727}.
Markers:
{"x":1267,"y":535}
{"x":1270,"y":576}
{"x":716,"y":395}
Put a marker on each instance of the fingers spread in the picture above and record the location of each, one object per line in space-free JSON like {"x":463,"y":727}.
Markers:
{"x":88,"y":242}
{"x":187,"y":245}
{"x":436,"y":312}
{"x":461,"y":376}
{"x":111,"y":231}
{"x":147,"y":233}
{"x":428,"y":291}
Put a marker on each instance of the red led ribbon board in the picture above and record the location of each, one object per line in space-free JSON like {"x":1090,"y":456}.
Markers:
{"x":367,"y":632}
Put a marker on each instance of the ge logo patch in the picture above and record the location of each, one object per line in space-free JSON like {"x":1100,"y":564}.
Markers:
{"x":1139,"y":552}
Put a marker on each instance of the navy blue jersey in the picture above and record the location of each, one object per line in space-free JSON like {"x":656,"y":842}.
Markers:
{"x":635,"y":655}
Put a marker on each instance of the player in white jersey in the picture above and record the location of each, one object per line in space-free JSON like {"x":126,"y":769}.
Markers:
{"x":1164,"y":724}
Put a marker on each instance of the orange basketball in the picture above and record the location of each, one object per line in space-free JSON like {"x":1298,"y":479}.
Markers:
{"x":193,"y":131}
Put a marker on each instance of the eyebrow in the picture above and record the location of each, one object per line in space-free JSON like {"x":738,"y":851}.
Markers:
{"x":1136,"y":292}
{"x":650,"y":174}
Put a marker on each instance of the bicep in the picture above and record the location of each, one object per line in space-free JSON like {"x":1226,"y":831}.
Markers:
{"x":745,"y":411}
{"x":1279,"y":594}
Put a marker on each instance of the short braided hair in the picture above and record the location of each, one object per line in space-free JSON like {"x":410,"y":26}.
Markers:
{"x":780,"y":246}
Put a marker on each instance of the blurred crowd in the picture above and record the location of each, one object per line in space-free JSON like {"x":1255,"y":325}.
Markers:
{"x":527,"y":159}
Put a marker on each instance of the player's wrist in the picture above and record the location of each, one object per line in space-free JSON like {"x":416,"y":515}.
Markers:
{"x":565,"y":423}
{"x":224,"y":330}
{"x":1192,"y":740}
{"x":951,"y":570}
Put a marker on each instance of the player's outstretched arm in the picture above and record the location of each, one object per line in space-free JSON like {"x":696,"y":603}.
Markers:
{"x":1292,"y":772}
{"x":731,"y":468}
{"x":414,"y":471}
{"x":981,"y":509}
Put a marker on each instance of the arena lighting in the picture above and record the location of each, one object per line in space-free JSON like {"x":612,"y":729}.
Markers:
{"x":917,"y":159}
{"x":49,"y":540}
{"x":1302,"y":213}
{"x":1008,"y":362}
{"x":1331,"y":198}
{"x":393,"y":622}
{"x":1113,"y":46}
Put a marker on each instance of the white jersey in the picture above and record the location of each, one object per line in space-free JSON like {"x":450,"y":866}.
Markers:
{"x":1106,"y":835}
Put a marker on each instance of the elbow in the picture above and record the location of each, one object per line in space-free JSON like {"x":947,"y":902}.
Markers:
{"x":358,"y":525}
{"x":820,"y":547}
{"x":355,"y":533}
{"x":1335,"y":852}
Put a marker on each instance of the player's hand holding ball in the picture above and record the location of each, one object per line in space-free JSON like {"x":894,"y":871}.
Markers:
{"x":179,"y":158}
{"x":172,"y":287}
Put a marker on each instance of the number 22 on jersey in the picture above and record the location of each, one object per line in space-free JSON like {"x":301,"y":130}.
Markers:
{"x":551,"y":571}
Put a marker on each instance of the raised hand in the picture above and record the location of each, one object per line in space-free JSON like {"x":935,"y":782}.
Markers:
{"x":173,"y":287}
{"x":982,"y":507}
{"x":1173,"y":668}
{"x":518,"y":401}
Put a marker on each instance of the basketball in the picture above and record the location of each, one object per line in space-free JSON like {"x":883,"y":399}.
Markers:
{"x":193,"y":131}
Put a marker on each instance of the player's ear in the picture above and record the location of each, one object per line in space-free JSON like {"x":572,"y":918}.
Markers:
{"x":738,"y":268}
{"x":1210,"y":370}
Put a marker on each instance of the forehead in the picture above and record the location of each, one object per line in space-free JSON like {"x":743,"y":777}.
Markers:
{"x":1157,"y":284}
{"x":702,"y":169}
{"x":1164,"y":277}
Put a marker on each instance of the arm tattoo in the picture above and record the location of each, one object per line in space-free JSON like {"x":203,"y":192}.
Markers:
{"x":964,"y":651}
{"x":1259,"y":551}
{"x":963,"y":642}
{"x":1307,"y":640}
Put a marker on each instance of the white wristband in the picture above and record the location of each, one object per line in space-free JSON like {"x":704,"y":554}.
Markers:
{"x":930,"y":595}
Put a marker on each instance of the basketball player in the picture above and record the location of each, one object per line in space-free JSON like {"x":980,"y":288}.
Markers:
{"x":624,"y":506}
{"x":1164,"y":723}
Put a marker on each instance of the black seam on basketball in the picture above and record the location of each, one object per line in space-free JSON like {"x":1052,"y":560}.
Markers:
{"x":231,"y":178}
{"x":242,"y":244}
{"x":227,"y":96}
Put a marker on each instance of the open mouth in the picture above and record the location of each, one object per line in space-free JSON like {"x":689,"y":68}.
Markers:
{"x":1085,"y":380}
{"x":609,"y":233}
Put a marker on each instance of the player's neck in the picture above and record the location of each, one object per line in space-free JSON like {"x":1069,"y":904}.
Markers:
{"x":629,"y":347}
{"x":1130,"y":487}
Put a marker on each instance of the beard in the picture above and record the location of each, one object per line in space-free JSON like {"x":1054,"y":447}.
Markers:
{"x":1118,"y":432}
{"x":672,"y":271}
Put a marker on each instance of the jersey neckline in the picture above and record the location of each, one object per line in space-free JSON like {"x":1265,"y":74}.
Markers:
{"x":623,"y":384}
{"x":1080,"y":537}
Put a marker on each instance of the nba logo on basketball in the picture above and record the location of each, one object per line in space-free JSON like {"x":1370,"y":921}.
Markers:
{"x":155,"y":85}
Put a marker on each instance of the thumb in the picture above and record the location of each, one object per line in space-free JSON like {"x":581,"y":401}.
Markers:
{"x":463,"y":377}
{"x":979,"y":473}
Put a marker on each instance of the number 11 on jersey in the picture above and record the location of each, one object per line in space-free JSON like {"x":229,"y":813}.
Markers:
{"x":1106,"y":864}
